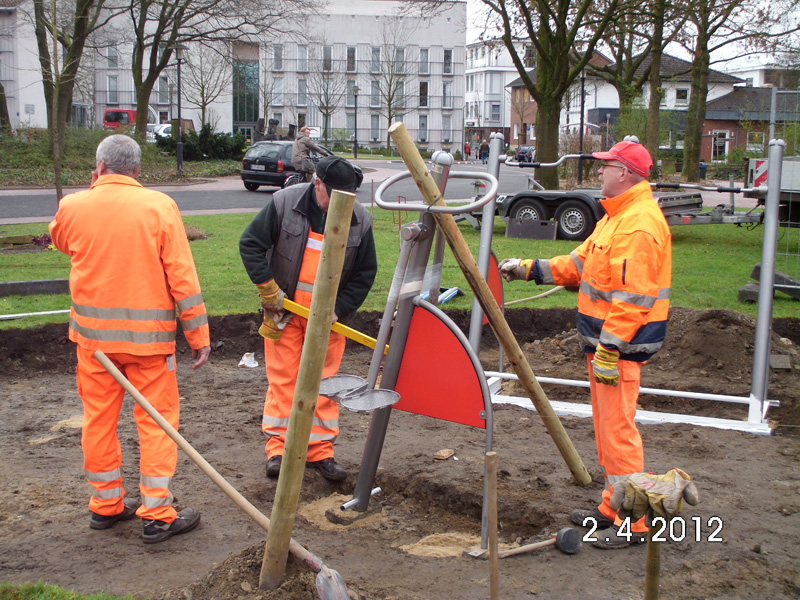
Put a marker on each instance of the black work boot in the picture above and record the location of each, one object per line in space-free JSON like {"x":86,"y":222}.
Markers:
{"x":158,"y":531}
{"x":329,"y":468}
{"x":129,"y":507}
{"x":274,"y":466}
{"x":590,"y":518}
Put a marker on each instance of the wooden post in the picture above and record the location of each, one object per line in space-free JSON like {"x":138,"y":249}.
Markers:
{"x":466,"y":261}
{"x":312,"y":361}
{"x":653,"y":568}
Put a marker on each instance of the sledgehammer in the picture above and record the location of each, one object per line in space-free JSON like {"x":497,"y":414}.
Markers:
{"x":568,"y":540}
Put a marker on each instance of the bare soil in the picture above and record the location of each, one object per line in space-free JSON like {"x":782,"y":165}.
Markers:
{"x":430,"y":509}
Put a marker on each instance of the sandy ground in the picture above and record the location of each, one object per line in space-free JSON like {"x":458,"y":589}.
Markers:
{"x":429,"y":510}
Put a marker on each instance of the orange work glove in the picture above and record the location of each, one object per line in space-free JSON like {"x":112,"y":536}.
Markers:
{"x":663,"y":494}
{"x":515,"y":268}
{"x":604,"y":366}
{"x":273,"y":324}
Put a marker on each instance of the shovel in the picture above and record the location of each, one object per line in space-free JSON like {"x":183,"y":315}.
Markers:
{"x":330,"y":584}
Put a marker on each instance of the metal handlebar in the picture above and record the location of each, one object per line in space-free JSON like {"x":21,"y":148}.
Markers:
{"x":756,"y":192}
{"x":450,"y":210}
{"x":537,"y":165}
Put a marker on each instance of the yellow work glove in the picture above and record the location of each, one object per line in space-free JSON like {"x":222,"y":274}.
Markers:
{"x":604,"y":366}
{"x":271,"y":296}
{"x":515,"y":268}
{"x":663,"y":494}
{"x":273,"y":324}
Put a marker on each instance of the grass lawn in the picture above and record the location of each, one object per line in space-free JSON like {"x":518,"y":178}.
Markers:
{"x":710,"y":264}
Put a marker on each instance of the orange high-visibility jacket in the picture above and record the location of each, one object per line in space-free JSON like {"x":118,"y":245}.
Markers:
{"x":131,"y":267}
{"x":624,"y":270}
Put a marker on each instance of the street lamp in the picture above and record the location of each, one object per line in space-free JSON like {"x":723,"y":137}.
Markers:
{"x":355,"y":121}
{"x":580,"y":137}
{"x":179,"y":50}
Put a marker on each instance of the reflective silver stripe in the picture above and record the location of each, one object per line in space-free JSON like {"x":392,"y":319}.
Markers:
{"x":119,"y":335}
{"x":274,"y":421}
{"x":627,"y":348}
{"x":576,"y":260}
{"x":108,"y":494}
{"x":593,"y":293}
{"x":190,"y":301}
{"x":305,"y":287}
{"x":153,"y":502}
{"x":128,"y":314}
{"x":588,"y":340}
{"x":330,"y":424}
{"x":319,"y":437}
{"x":314,"y":244}
{"x":155,"y":481}
{"x":663,"y":294}
{"x":547,"y":273}
{"x":198,"y":321}
{"x":635,"y":299}
{"x":104,"y":476}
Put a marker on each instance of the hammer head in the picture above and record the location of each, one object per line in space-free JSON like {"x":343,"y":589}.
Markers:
{"x":568,"y":540}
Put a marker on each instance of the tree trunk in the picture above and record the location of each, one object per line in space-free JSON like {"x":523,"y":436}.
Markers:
{"x":547,"y":130}
{"x":696,"y":114}
{"x":5,"y":118}
{"x":653,"y":130}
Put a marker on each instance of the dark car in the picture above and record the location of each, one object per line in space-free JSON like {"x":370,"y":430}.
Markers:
{"x":525,"y":153}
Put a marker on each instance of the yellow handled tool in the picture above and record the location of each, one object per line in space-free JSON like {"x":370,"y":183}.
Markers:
{"x":348,"y":332}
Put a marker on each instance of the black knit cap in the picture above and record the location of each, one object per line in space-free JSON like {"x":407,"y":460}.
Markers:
{"x":337,"y":173}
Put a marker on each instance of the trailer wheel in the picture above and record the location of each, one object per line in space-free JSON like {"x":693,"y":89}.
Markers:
{"x":528,"y":208}
{"x":575,"y":221}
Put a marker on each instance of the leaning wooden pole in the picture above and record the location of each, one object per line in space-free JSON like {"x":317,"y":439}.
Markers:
{"x":466,"y":261}
{"x":312,"y":360}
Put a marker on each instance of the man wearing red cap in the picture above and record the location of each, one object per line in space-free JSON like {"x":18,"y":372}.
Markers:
{"x":623,"y":272}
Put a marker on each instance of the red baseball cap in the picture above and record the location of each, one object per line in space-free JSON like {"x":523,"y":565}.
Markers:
{"x":631,"y":154}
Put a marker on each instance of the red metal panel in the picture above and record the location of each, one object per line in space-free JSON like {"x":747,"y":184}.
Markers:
{"x":437,"y":378}
{"x":495,"y":283}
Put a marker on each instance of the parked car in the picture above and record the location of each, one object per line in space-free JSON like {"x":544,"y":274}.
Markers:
{"x":525,"y":153}
{"x":270,"y":163}
{"x":162,"y":130}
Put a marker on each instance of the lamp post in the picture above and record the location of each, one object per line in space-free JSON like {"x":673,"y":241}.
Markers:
{"x":179,"y":50}
{"x":355,"y":121}
{"x":580,"y":135}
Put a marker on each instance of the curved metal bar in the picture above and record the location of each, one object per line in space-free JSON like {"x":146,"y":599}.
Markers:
{"x":536,"y":165}
{"x":450,"y":210}
{"x":756,"y":192}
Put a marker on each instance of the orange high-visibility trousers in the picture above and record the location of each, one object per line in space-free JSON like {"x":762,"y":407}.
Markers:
{"x":619,"y":445}
{"x":282,"y":358}
{"x":154,"y":377}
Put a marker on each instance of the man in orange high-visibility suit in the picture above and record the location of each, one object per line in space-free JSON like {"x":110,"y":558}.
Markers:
{"x":131,"y":267}
{"x":280,"y":250}
{"x":623,"y":272}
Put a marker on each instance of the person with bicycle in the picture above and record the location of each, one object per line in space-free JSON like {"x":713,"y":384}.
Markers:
{"x":623,"y":272}
{"x":301,"y":153}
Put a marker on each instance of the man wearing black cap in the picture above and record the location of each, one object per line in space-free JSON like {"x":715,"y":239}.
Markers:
{"x":280,"y":250}
{"x":623,"y":273}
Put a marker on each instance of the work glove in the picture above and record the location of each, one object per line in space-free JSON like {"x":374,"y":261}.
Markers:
{"x":515,"y":268}
{"x":604,"y":366}
{"x":271,"y":296}
{"x":663,"y":494}
{"x":274,"y":323}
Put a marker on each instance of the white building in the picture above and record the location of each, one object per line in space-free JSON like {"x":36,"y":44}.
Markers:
{"x":366,"y":61}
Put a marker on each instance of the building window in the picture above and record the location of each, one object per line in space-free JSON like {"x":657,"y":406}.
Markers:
{"x":351,"y":59}
{"x":755,"y":141}
{"x":400,"y":60}
{"x":350,"y":100}
{"x":113,"y":90}
{"x":400,"y":95}
{"x":375,"y":94}
{"x":277,"y":92}
{"x":423,"y":94}
{"x":351,"y":123}
{"x":245,"y":91}
{"x":278,"y":117}
{"x":302,"y":92}
{"x":530,"y":57}
{"x":302,"y":58}
{"x":375,"y":62}
{"x":374,"y":127}
{"x":682,"y":96}
{"x":424,"y":68}
{"x":423,"y":128}
{"x":495,"y":111}
{"x":447,"y":94}
{"x":447,"y":134}
{"x":447,"y":64}
{"x":163,"y":90}
{"x":277,"y":57}
{"x":112,"y":57}
{"x":327,"y":58}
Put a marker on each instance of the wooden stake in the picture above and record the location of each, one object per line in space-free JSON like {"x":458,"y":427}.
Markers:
{"x":653,"y":568}
{"x":466,"y":261}
{"x":312,"y":361}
